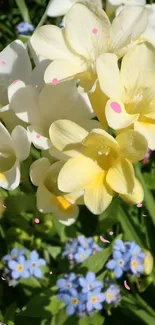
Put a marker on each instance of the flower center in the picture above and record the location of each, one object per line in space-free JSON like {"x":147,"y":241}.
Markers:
{"x":62,"y":203}
{"x":109,"y":295}
{"x":120,"y":262}
{"x":75,"y":301}
{"x":34,"y":264}
{"x":68,"y":285}
{"x":83,"y":255}
{"x":90,"y":286}
{"x":134,"y":263}
{"x":20,"y":267}
{"x":93,"y":299}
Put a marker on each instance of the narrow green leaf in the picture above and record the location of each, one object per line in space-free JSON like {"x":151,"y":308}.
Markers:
{"x":23,"y":10}
{"x":9,"y":316}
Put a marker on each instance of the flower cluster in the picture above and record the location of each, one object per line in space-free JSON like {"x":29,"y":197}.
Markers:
{"x":24,"y":28}
{"x":129,"y":257}
{"x":79,"y":249}
{"x":17,"y":265}
{"x":83,"y":295}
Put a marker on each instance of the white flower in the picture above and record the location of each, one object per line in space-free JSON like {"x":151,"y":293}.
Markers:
{"x":60,"y":7}
{"x":49,"y":198}
{"x":40,"y":109}
{"x":13,"y":149}
{"x":112,"y":5}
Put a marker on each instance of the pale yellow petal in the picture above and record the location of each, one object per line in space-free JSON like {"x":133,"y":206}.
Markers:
{"x":86,"y":30}
{"x":77,"y":174}
{"x":137,"y":196}
{"x":100,"y":139}
{"x":120,"y":176}
{"x":116,"y":115}
{"x":138,"y":70}
{"x":65,"y":132}
{"x":38,"y":170}
{"x":109,"y":75}
{"x":98,"y":195}
{"x":132,"y":145}
{"x":62,"y":70}
{"x":98,"y":101}
{"x":148,"y":131}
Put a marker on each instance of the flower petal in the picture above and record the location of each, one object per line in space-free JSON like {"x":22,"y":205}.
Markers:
{"x":10,"y":179}
{"x":65,"y":132}
{"x":117,"y":116}
{"x":12,"y":265}
{"x":38,"y":138}
{"x":132,"y":145}
{"x":100,"y":138}
{"x":77,"y":174}
{"x":21,"y":142}
{"x":15,"y":274}
{"x":38,"y":170}
{"x":34,"y":256}
{"x":136,"y":197}
{"x":111,"y":264}
{"x":86,"y":28}
{"x":120,"y":176}
{"x":98,"y":195}
{"x":109,"y":75}
{"x":38,"y":273}
{"x":148,"y":131}
{"x":127,"y":26}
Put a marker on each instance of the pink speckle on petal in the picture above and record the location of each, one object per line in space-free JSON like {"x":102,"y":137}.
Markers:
{"x":3,"y":62}
{"x":38,"y":136}
{"x":116,"y":107}
{"x":95,"y":30}
{"x":139,"y":205}
{"x":111,"y":233}
{"x":15,"y":81}
{"x":97,"y":298}
{"x":3,"y":278}
{"x":107,"y":36}
{"x":55,"y":81}
{"x":36,"y":220}
{"x":36,"y":86}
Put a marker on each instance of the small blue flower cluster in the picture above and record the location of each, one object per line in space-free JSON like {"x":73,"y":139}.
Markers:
{"x":82,"y":295}
{"x":24,"y":28}
{"x":19,"y":266}
{"x":79,"y":249}
{"x":127,"y":257}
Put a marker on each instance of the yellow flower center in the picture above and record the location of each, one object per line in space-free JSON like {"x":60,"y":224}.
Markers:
{"x":62,"y":203}
{"x":75,"y":301}
{"x":109,"y":295}
{"x":20,"y":267}
{"x":93,"y":299}
{"x":134,"y":263}
{"x":83,"y":255}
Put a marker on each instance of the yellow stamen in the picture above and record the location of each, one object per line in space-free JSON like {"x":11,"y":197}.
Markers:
{"x":134,"y":263}
{"x":62,"y":203}
{"x":20,"y":267}
{"x":93,"y":299}
{"x":75,"y":301}
{"x":109,"y":295}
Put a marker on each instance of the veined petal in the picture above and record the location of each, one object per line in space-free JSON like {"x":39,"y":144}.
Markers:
{"x":49,"y":42}
{"x":148,"y":131}
{"x":98,"y":195}
{"x":38,"y":170}
{"x":21,"y":142}
{"x":24,"y":101}
{"x":86,"y":30}
{"x":58,"y":8}
{"x":127,"y":26}
{"x":5,"y":138}
{"x":38,"y":138}
{"x":120,"y":176}
{"x":132,"y":145}
{"x":65,"y":132}
{"x":137,"y":196}
{"x":77,"y":174}
{"x":10,"y":179}
{"x":101,"y":139}
{"x":137,"y":70}
{"x":109,"y":75}
{"x":117,"y":116}
{"x":98,"y":101}
{"x":62,"y":70}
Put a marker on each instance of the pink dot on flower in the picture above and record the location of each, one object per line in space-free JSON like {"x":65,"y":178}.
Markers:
{"x":116,"y":107}
{"x":97,"y":298}
{"x":3,"y":62}
{"x":139,"y":205}
{"x":3,"y":278}
{"x":95,"y":30}
{"x":107,"y":36}
{"x":38,"y":136}
{"x":36,"y":86}
{"x":111,"y":233}
{"x":15,"y":81}
{"x":36,"y":220}
{"x":55,"y":81}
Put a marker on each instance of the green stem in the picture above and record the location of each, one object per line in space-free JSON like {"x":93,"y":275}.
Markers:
{"x":148,"y":197}
{"x":43,"y":19}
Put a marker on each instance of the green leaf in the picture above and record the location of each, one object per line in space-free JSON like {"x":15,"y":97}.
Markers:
{"x":31,"y":282}
{"x":9,"y":316}
{"x":63,"y":319}
{"x":54,"y":251}
{"x":23,"y":10}
{"x":96,"y":319}
{"x":108,"y":218}
{"x":20,"y":203}
{"x":96,"y":262}
{"x":43,"y":305}
{"x":149,"y":181}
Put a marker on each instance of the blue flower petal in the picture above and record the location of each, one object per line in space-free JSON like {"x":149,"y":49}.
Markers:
{"x":38,"y":273}
{"x":21,"y":259}
{"x":41,"y":261}
{"x":61,"y":283}
{"x":15,"y":274}
{"x":25,"y":274}
{"x":12,"y":265}
{"x":98,"y":306}
{"x":111,"y":264}
{"x":82,"y":282}
{"x":34,"y":256}
{"x":118,"y":272}
{"x":89,"y":306}
{"x":117,"y":255}
{"x":66,"y":299}
{"x":70,"y":310}
{"x":90,"y":277}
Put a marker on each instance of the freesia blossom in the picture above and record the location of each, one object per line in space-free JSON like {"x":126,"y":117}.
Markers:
{"x":58,"y":8}
{"x":87,"y":34}
{"x":112,"y":5}
{"x":131,"y":90}
{"x":100,"y":165}
{"x":13,"y":149}
{"x":49,"y":198}
{"x":40,"y":108}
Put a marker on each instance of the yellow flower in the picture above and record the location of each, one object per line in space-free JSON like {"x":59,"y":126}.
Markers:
{"x":131,"y":90}
{"x":148,"y":262}
{"x":87,"y":34}
{"x":100,"y":165}
{"x":49,"y":198}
